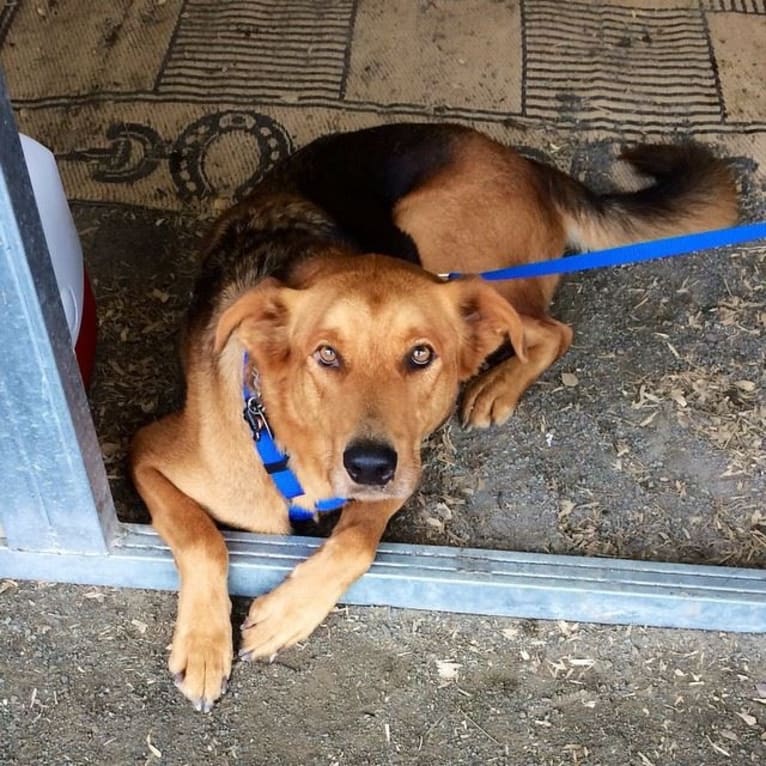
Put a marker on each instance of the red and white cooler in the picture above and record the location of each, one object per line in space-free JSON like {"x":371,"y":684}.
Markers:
{"x":65,"y":251}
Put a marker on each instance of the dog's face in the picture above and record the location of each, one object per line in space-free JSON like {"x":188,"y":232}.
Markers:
{"x":360,"y":360}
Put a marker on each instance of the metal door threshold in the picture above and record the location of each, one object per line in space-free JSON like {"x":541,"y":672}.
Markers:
{"x":463,"y":580}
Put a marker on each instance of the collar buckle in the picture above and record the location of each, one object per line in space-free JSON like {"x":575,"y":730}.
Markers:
{"x":255,"y":415}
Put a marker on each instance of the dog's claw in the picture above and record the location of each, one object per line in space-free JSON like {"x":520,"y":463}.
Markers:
{"x":200,"y":664}
{"x":203,"y":705}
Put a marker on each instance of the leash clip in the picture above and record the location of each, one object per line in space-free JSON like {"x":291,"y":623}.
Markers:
{"x":255,"y":415}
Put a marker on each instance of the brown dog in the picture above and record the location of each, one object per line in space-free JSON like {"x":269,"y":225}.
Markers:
{"x":356,"y":360}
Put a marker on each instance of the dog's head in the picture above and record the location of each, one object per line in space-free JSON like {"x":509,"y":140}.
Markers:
{"x":359,"y":359}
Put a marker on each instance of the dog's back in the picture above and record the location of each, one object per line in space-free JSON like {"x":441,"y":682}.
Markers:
{"x":424,"y":192}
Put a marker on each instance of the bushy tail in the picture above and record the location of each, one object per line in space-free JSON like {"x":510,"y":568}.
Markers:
{"x":692,"y":191}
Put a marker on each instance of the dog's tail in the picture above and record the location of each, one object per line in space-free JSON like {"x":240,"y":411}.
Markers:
{"x":692,"y":191}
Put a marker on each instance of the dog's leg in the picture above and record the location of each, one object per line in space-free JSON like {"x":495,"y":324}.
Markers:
{"x":201,"y":656}
{"x":295,"y":608}
{"x":490,"y":398}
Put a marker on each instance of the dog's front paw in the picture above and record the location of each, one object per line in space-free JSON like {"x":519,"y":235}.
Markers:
{"x":287,"y":615}
{"x":488,"y":400}
{"x":200,"y":660}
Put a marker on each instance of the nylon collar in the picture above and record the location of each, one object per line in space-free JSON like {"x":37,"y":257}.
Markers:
{"x":274,"y":460}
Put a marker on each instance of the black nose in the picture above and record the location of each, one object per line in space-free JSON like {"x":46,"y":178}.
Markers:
{"x":370,"y":462}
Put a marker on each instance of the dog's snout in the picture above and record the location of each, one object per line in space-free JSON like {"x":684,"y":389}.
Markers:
{"x":368,"y":462}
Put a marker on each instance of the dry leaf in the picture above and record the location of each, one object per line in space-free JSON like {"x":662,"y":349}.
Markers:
{"x":569,"y":379}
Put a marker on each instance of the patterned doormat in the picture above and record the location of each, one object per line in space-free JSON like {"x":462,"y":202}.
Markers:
{"x":161,"y":112}
{"x":168,"y":103}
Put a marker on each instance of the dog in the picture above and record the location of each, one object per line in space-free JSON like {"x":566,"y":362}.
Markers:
{"x":342,"y":364}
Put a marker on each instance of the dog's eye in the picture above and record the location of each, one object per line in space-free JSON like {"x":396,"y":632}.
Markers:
{"x":421,"y":356}
{"x":327,"y":356}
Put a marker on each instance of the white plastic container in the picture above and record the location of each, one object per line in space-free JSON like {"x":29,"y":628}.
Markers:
{"x":60,"y":233}
{"x":65,"y":251}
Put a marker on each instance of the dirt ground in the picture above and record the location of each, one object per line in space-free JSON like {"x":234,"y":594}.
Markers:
{"x":83,"y":681}
{"x":646,"y":441}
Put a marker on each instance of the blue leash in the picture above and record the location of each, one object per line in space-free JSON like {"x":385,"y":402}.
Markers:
{"x":276,"y":462}
{"x":618,"y":256}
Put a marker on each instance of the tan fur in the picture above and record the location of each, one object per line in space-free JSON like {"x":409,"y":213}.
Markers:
{"x":373,"y":311}
{"x":488,"y":208}
{"x":487,"y":212}
{"x":587,"y":233}
{"x":492,"y":208}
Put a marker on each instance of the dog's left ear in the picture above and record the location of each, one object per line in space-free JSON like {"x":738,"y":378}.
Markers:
{"x":259,"y":318}
{"x":488,"y":319}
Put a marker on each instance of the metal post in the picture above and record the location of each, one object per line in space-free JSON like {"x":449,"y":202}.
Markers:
{"x":53,"y":486}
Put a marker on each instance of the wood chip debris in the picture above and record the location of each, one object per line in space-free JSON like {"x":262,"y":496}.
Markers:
{"x":155,"y":751}
{"x":718,"y":748}
{"x":725,"y":410}
{"x":139,"y":626}
{"x":750,"y":720}
{"x":448,"y":670}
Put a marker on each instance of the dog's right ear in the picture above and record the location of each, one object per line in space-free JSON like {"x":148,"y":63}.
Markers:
{"x":487,"y":320}
{"x":259,"y":318}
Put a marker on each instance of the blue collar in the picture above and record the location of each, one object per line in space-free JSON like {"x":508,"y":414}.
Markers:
{"x":274,"y":460}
